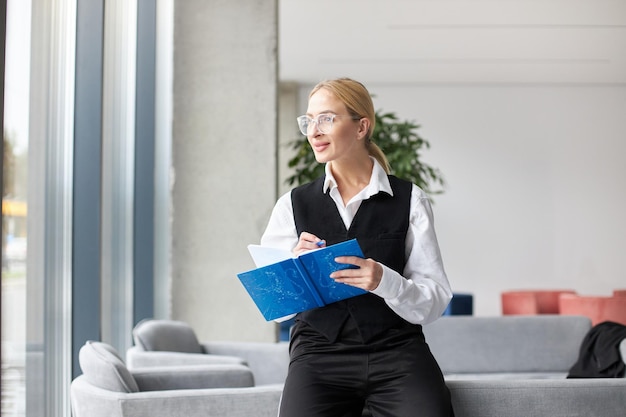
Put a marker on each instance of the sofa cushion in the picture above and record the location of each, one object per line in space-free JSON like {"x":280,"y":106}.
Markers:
{"x":166,"y":335}
{"x":103,"y":367}
{"x":596,"y":397}
{"x":505,"y":376}
{"x":193,"y":377}
{"x":510,"y":344}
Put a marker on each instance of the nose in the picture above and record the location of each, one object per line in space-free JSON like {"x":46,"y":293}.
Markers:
{"x":314,"y":129}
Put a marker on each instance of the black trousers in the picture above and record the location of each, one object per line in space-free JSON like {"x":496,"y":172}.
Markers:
{"x":394,"y":375}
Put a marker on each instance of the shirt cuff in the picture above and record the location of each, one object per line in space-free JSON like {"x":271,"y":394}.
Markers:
{"x":389,"y":285}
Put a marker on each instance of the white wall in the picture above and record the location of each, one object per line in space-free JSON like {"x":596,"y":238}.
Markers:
{"x":536,"y":183}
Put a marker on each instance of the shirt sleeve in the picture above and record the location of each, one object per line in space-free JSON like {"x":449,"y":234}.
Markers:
{"x":421,"y":294}
{"x":281,"y":229}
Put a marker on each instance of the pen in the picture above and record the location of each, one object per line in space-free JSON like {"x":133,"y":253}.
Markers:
{"x":320,"y":243}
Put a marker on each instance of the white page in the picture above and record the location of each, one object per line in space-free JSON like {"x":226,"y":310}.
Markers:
{"x":263,"y":255}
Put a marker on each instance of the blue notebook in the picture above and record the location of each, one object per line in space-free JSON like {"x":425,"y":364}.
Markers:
{"x":302,"y":283}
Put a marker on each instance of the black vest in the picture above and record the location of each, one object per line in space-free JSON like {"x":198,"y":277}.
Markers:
{"x":380,"y":226}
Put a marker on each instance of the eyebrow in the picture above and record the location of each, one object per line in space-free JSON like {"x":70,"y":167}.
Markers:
{"x":324,"y":112}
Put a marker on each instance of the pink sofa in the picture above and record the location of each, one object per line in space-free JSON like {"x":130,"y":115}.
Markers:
{"x":597,"y":308}
{"x":528,"y":302}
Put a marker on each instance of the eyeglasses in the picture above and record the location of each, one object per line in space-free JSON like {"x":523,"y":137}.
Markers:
{"x":323,"y":121}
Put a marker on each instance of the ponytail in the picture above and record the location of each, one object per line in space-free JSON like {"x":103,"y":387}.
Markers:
{"x":378,"y":154}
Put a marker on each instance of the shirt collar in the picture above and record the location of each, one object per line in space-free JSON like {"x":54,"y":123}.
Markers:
{"x":379,"y":181}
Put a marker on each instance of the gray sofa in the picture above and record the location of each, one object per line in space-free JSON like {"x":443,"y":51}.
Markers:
{"x":510,"y":366}
{"x":539,"y":398}
{"x":506,"y":347}
{"x":516,"y":366}
{"x":174,"y":343}
{"x":107,"y":388}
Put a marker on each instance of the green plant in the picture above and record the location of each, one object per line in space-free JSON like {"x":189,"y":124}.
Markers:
{"x":399,"y":140}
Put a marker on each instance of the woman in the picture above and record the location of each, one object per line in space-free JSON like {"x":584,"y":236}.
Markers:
{"x":368,"y":350}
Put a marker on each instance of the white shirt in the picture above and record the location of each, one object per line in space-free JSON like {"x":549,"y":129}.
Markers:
{"x":421,"y":294}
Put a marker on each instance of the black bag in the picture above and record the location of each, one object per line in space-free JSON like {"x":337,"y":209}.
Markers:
{"x":599,"y":353}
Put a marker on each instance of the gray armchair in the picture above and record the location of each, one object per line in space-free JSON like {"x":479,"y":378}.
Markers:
{"x":107,"y":388}
{"x":169,"y":342}
{"x":174,"y":343}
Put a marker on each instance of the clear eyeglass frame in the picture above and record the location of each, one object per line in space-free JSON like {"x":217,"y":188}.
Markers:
{"x":323,"y":121}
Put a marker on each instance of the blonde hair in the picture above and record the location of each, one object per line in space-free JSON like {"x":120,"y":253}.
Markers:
{"x":359,"y":103}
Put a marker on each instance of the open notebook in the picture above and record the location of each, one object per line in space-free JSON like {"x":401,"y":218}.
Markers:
{"x":283,"y":284}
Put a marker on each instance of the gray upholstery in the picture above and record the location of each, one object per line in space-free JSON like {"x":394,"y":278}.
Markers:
{"x":193,"y":377}
{"x":268,"y":361}
{"x":170,"y":343}
{"x":103,"y":367}
{"x":509,"y":357}
{"x":108,"y":388}
{"x":91,"y":401}
{"x":139,"y":358}
{"x":166,"y":335}
{"x":512,"y":366}
{"x":506,"y":347}
{"x":539,"y":398}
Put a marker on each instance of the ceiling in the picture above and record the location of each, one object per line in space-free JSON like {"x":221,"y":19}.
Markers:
{"x":447,"y":41}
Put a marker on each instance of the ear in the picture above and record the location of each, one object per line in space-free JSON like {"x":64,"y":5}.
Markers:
{"x":364,"y":127}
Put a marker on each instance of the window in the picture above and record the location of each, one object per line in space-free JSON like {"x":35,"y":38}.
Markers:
{"x":15,"y":208}
{"x":69,"y":184}
{"x":37,"y":207}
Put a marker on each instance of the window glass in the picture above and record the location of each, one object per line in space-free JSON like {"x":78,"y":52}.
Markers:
{"x":15,"y":207}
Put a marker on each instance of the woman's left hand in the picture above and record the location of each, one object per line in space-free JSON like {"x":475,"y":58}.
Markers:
{"x":367,"y":276}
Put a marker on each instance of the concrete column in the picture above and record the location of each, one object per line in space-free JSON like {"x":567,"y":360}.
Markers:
{"x":224,"y":148}
{"x":289,"y":109}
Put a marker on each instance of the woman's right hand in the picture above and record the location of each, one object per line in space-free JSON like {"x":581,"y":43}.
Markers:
{"x":306,"y":242}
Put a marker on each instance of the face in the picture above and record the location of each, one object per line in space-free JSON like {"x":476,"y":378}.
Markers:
{"x":346,"y":137}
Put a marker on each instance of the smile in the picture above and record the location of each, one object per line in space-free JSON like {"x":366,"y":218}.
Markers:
{"x":320,"y":146}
